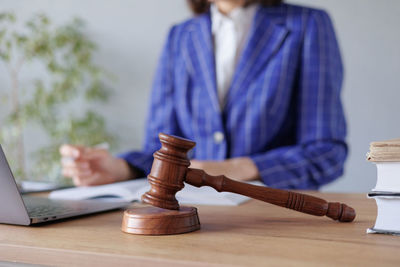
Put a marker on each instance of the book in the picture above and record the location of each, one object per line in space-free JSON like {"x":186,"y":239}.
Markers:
{"x":133,"y":190}
{"x":388,"y":177}
{"x":384,"y":151}
{"x":386,"y":156}
{"x":388,"y":217}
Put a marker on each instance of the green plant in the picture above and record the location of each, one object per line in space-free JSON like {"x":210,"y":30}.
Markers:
{"x":62,"y":56}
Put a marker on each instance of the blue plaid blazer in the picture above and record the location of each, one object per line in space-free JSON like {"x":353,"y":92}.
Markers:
{"x":283,"y":108}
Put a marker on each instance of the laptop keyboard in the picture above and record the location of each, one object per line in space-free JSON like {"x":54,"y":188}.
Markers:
{"x":43,"y":211}
{"x":43,"y":207}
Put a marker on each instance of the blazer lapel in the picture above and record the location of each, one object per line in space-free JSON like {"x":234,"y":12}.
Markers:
{"x":267,"y":35}
{"x":203,"y":58}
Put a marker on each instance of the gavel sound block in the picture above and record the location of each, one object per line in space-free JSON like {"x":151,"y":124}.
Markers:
{"x":169,"y":172}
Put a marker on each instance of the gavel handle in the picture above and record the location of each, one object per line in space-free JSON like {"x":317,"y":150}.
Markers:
{"x":291,"y":200}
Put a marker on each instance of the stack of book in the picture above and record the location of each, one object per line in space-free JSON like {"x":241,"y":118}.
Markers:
{"x":386,"y":156}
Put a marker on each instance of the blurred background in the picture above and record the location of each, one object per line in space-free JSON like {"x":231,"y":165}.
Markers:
{"x":115,"y":82}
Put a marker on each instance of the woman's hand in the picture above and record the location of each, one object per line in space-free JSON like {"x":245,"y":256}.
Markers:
{"x":241,"y":169}
{"x":92,"y":166}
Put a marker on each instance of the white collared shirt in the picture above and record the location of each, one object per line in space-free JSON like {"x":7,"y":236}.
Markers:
{"x":230,"y":33}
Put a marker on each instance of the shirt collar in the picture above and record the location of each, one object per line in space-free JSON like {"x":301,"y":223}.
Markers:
{"x":237,"y":16}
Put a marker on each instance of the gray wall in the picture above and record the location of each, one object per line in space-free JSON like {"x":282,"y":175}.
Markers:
{"x":130,"y":35}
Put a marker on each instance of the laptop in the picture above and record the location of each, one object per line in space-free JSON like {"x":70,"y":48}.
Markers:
{"x":27,"y":210}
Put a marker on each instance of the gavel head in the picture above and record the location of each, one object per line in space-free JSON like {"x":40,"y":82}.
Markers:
{"x":168,"y":172}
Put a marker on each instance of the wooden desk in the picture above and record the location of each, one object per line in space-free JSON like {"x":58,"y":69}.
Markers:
{"x":251,"y":234}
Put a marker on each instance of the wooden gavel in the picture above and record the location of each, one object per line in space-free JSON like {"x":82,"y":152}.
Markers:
{"x":171,"y":169}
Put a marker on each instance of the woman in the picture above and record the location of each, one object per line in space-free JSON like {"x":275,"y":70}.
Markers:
{"x":256,"y":84}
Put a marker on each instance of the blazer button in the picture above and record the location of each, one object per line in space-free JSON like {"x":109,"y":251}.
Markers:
{"x":218,"y":137}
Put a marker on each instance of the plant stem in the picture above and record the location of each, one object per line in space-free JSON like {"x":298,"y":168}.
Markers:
{"x":15,"y":100}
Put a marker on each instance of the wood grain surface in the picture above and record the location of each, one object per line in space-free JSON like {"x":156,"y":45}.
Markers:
{"x":149,"y":220}
{"x":252,"y":234}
